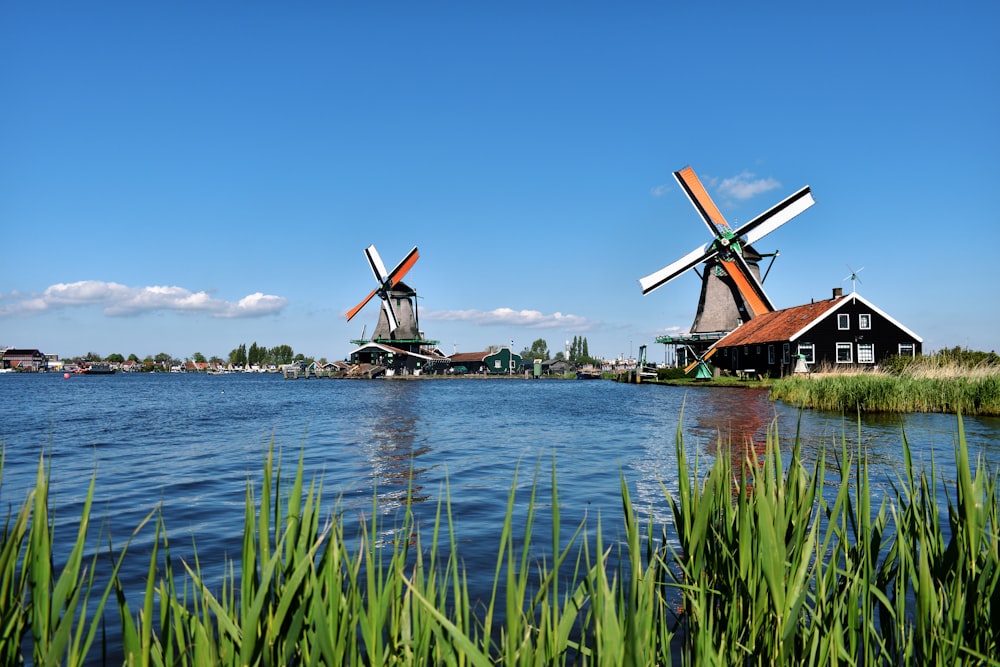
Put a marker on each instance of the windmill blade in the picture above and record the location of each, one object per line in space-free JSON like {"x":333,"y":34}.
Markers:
{"x":706,"y":208}
{"x":390,"y":316}
{"x":671,"y":271}
{"x":748,"y":285}
{"x":354,"y":311}
{"x":403,"y":267}
{"x":375,"y":261}
{"x":776,"y":216}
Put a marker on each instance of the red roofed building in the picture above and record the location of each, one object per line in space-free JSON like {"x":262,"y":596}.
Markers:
{"x":845,"y":330}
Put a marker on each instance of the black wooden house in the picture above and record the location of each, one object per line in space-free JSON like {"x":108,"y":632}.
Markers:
{"x":843,"y":331}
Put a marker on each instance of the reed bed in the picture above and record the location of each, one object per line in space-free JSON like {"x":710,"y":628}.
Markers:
{"x":931,"y":384}
{"x":879,"y":392}
{"x":769,"y":562}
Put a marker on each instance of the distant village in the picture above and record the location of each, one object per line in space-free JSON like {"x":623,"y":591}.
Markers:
{"x":495,"y":361}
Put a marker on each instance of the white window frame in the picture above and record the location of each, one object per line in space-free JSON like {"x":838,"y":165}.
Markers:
{"x":850,"y":353}
{"x":907,"y":349}
{"x":864,"y":321}
{"x":770,"y":355}
{"x":786,"y":353}
{"x":496,"y":364}
{"x":869,"y":358}
{"x":808,"y":350}
{"x":843,"y":321}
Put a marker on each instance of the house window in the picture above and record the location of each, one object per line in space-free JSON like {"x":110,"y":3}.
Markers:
{"x":864,"y":321}
{"x":808,"y":350}
{"x":786,"y":354}
{"x":906,"y":350}
{"x":758,"y":351}
{"x":845,"y":353}
{"x":843,"y":321}
{"x":866,"y":353}
{"x":770,"y":355}
{"x":496,"y":363}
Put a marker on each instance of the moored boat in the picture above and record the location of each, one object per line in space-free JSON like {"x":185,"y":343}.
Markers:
{"x":97,"y":369}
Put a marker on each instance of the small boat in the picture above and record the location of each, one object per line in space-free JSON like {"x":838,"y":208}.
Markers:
{"x":97,"y":369}
{"x":588,"y":375}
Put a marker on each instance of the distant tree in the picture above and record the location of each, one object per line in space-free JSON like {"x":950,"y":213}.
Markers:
{"x":133,"y":357}
{"x":198,"y":358}
{"x":560,"y":356}
{"x":115,"y":358}
{"x":238,"y":357}
{"x":539,"y":350}
{"x":215,"y":360}
{"x":281,"y":354}
{"x":92,"y":356}
{"x":255,"y":354}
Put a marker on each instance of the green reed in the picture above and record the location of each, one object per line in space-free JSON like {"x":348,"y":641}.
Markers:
{"x":881,"y":392}
{"x":769,"y":560}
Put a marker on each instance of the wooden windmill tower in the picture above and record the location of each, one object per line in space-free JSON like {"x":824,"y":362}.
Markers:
{"x":731,"y":287}
{"x":398,"y":324}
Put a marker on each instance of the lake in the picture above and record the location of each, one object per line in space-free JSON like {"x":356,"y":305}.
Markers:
{"x":190,"y":443}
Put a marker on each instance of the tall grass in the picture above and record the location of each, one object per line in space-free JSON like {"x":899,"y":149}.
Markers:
{"x":879,"y":392}
{"x":768,"y":562}
{"x":945,"y":382}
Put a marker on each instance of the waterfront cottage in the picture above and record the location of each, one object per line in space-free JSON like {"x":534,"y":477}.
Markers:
{"x":25,"y":360}
{"x":502,"y":361}
{"x":843,"y":331}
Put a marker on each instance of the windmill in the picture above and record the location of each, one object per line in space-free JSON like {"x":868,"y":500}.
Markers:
{"x":397,"y":321}
{"x":731,"y":290}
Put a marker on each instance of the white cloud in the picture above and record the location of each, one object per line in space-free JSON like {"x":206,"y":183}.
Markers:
{"x":659,"y":190}
{"x":532,"y":319}
{"x":746,"y":185}
{"x":121,"y":300}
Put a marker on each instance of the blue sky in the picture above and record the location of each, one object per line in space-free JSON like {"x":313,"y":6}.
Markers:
{"x":185,"y":177}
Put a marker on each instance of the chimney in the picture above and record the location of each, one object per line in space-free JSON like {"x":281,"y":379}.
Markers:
{"x":838,"y":292}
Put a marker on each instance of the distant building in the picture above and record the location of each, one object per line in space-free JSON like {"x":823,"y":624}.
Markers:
{"x":25,"y":360}
{"x":502,"y":361}
{"x":843,"y":331}
{"x":396,"y":360}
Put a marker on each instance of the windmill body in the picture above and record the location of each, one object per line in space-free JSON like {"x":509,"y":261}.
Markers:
{"x":721,"y":307}
{"x":402,"y":300}
{"x":732,"y":290}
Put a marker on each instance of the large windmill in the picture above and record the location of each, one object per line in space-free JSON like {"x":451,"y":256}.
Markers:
{"x":731,"y":288}
{"x":397,"y":321}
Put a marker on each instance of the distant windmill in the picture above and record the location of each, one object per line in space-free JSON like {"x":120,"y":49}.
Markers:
{"x":854,"y":278}
{"x":398,"y":319}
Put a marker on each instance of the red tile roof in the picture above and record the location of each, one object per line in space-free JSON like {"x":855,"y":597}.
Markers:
{"x":780,"y":325}
{"x":469,"y":356}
